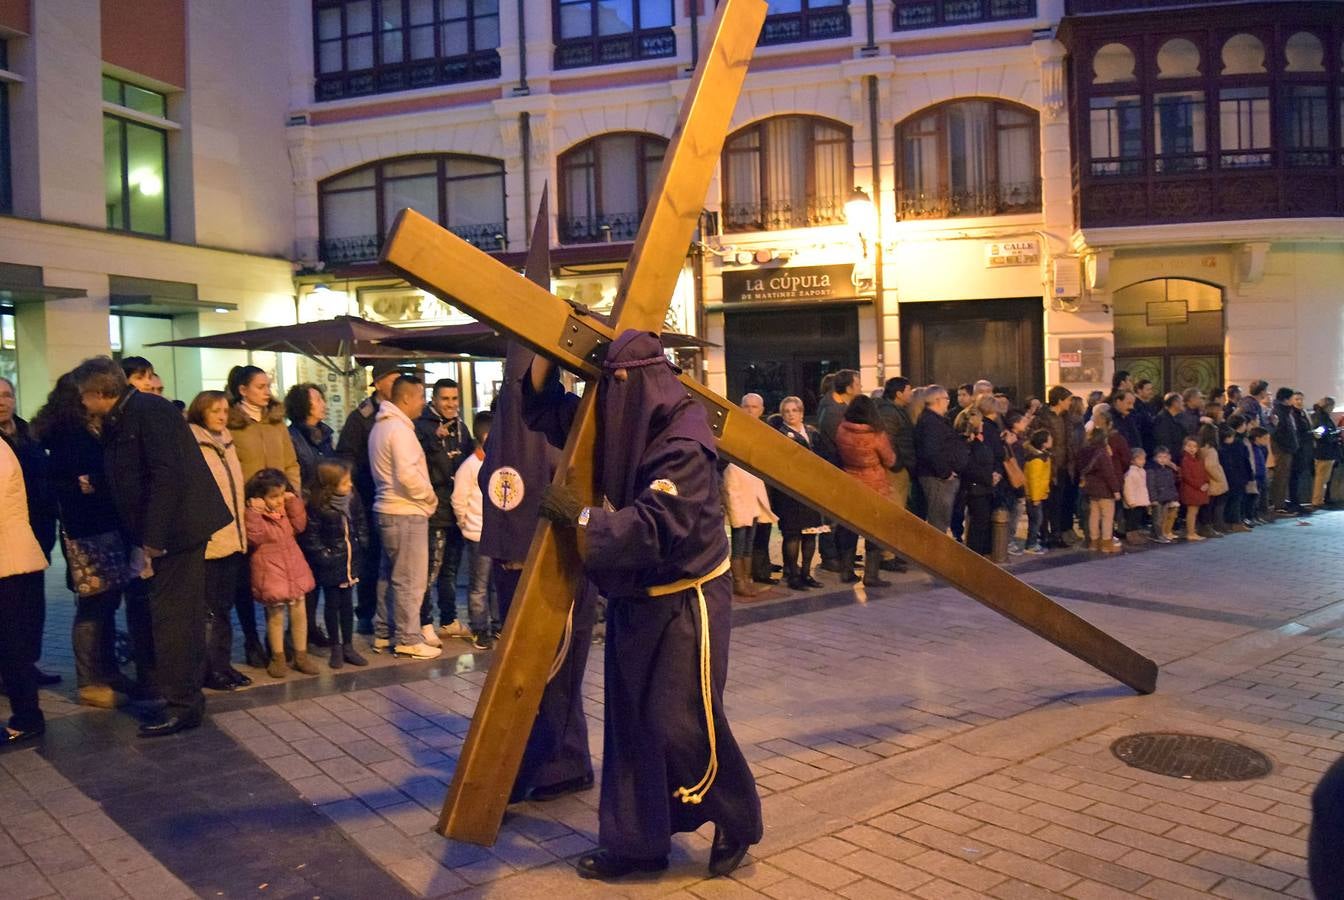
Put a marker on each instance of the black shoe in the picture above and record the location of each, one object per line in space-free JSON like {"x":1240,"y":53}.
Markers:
{"x":812,"y":582}
{"x":352,"y":655}
{"x":797,"y":584}
{"x":831,"y":565}
{"x":255,"y":655}
{"x":318,"y":638}
{"x":169,"y":725}
{"x":45,"y":679}
{"x":238,"y":678}
{"x":893,"y":565}
{"x":604,"y":864}
{"x":876,"y":582}
{"x":766,"y":580}
{"x":560,"y":789}
{"x":849,"y":578}
{"x":218,"y":681}
{"x":725,"y":854}
{"x":482,"y":640}
{"x":336,"y":659}
{"x":14,"y":736}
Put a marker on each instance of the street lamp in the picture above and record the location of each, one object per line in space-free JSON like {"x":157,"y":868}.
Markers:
{"x":861,"y":215}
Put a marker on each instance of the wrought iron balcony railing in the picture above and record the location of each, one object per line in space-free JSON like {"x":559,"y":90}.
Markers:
{"x":615,"y":48}
{"x":480,"y":66}
{"x":987,"y":200}
{"x":601,"y":228}
{"x":913,"y":14}
{"x":365,"y":247}
{"x":789,"y":28}
{"x":805,"y":213}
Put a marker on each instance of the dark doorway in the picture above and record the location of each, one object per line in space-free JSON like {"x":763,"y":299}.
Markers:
{"x":1170,"y":331}
{"x":781,"y":352}
{"x":964,"y":340}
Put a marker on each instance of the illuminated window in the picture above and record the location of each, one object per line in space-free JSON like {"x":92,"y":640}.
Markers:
{"x":135,"y":160}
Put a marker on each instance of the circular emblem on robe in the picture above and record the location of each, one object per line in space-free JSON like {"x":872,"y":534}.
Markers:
{"x":506,"y":488}
{"x":664,"y":486}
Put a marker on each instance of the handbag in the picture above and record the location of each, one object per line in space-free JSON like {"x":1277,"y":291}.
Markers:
{"x":1016,"y":477}
{"x":96,"y":564}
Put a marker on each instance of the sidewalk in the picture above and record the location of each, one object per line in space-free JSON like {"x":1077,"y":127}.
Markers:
{"x":912,"y":744}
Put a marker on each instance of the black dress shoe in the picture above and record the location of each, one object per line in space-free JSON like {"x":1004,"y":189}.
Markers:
{"x":169,"y":725}
{"x":605,"y":865}
{"x":812,"y":582}
{"x":876,"y":582}
{"x":238,"y":678}
{"x":726,"y":853}
{"x":17,"y":735}
{"x":218,"y":681}
{"x":766,"y":580}
{"x":797,"y":584}
{"x":848,"y":578}
{"x":255,"y":655}
{"x":559,"y":789}
{"x":893,"y":565}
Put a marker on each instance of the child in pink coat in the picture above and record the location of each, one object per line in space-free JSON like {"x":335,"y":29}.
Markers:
{"x":280,"y":574}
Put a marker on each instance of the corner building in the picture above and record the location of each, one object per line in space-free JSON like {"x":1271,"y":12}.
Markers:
{"x":1034,"y":191}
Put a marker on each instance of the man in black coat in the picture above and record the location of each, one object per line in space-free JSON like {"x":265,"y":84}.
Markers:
{"x":1126,"y":420}
{"x":1285,"y":441}
{"x":940,"y":456}
{"x":1167,"y":428}
{"x":169,"y":507}
{"x":353,"y":446}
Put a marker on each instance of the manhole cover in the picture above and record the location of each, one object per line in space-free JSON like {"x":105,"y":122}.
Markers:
{"x":1192,"y":756}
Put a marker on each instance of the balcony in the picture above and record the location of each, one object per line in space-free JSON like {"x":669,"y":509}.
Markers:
{"x":790,"y":28}
{"x":599,"y":229}
{"x":916,"y":14}
{"x":806,"y":213}
{"x":365,"y":248}
{"x":617,"y":48}
{"x":481,"y":66}
{"x":1093,"y":7}
{"x":1207,"y":196}
{"x":988,"y":200}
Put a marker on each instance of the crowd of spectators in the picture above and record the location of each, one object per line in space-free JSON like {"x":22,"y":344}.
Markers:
{"x":1104,"y":471}
{"x":196,"y":513}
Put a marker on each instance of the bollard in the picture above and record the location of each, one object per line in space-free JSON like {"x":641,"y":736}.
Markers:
{"x":998,"y":546}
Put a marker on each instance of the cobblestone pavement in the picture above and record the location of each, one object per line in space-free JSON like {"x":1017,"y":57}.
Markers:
{"x":906,"y":743}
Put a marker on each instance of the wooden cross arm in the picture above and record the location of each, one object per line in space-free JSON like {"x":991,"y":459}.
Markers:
{"x":428,"y":256}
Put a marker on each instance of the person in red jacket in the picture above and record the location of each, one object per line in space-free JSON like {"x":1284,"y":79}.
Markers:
{"x":1194,"y":487}
{"x":280,"y":575}
{"x":1098,"y":479}
{"x":865,"y":452}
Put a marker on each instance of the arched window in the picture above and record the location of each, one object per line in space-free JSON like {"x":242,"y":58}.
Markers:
{"x":1170,"y":331}
{"x":1113,"y":64}
{"x":787,"y":172}
{"x":465,"y":194}
{"x":969,"y":158}
{"x":604,"y":186}
{"x":1180,"y":129}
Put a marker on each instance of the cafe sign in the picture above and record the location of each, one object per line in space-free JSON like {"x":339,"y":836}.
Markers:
{"x":799,"y":284}
{"x":1012,"y":253}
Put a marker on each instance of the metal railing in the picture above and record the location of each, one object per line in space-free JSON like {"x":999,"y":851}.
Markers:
{"x":490,"y":237}
{"x":616,"y":48}
{"x":805,"y":213}
{"x":600,"y":228}
{"x":788,"y":28}
{"x":480,"y":66}
{"x":913,"y":14}
{"x":987,"y":200}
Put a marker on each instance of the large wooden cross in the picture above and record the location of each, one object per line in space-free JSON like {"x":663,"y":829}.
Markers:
{"x":438,"y":261}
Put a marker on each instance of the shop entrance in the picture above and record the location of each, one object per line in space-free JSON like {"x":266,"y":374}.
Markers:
{"x":1170,"y":331}
{"x":781,"y":352}
{"x":964,"y":340}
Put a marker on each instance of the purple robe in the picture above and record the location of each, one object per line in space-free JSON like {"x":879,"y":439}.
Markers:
{"x":665,"y":523}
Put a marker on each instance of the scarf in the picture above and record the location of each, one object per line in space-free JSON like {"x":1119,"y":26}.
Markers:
{"x":341,"y":503}
{"x":252,"y":411}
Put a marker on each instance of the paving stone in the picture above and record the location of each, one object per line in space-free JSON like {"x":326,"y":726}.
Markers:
{"x":87,"y":883}
{"x":57,"y":854}
{"x":1098,"y":870}
{"x":812,"y":869}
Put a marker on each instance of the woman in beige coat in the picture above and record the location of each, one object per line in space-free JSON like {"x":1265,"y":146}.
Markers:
{"x":21,"y":602}
{"x":226,"y":554}
{"x":261,"y":439}
{"x":748,"y":507}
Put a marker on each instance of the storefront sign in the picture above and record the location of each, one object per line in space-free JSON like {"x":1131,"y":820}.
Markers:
{"x":799,"y":284}
{"x":1012,"y":253}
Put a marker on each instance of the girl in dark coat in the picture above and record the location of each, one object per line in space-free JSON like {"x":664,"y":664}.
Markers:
{"x":1327,"y":436}
{"x":1102,"y":484}
{"x":799,"y":523}
{"x":334,"y":544}
{"x":1234,"y":454}
{"x":978,"y":480}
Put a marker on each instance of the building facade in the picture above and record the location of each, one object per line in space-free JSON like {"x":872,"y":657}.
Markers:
{"x":1033,"y":191}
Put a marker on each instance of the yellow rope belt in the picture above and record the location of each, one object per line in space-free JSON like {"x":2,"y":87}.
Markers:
{"x":696,"y":792}
{"x":563,"y":652}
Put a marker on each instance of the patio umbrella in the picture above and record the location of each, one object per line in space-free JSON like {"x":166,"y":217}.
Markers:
{"x":331,"y":343}
{"x":479,"y":340}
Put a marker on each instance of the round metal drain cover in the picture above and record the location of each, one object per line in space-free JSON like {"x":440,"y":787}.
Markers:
{"x":1192,"y":756}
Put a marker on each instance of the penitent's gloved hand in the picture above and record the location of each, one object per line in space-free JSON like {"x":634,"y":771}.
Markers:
{"x":561,"y":505}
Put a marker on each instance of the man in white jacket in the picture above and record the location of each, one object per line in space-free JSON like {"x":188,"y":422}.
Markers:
{"x":403,"y":501}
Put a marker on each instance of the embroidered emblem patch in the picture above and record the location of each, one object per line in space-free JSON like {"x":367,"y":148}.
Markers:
{"x":506,"y":488}
{"x":663,"y":486}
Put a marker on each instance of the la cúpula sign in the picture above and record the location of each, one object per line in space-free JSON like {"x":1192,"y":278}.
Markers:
{"x":797,"y":284}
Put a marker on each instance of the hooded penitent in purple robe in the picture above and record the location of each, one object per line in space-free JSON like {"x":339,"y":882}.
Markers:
{"x":662,"y":522}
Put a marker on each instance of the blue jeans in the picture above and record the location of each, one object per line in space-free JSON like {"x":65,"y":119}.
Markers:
{"x":742,"y":540}
{"x":402,"y":577}
{"x":1034,"y":516}
{"x":482,"y":609}
{"x":940,"y":493}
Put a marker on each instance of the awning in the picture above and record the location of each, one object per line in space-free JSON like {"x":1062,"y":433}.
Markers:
{"x":25,"y":284}
{"x":153,"y":304}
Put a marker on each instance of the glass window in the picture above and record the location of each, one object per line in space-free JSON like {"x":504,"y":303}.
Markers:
{"x":135,"y":97}
{"x":969,"y":158}
{"x":1244,"y":127}
{"x":787,"y":172}
{"x":605,"y":184}
{"x":463,"y":194}
{"x":135,"y":172}
{"x":6,"y":187}
{"x":9,"y":348}
{"x":376,"y":46}
{"x":1306,"y":125}
{"x":596,"y":32}
{"x":1116,"y":131}
{"x":1179,"y":130}
{"x":1178,"y":58}
{"x":1113,"y":64}
{"x":1243,"y":54}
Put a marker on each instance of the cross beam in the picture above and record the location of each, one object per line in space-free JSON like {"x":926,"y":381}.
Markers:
{"x":439,"y":262}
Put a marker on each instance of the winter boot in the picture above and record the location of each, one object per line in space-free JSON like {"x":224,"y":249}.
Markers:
{"x":276,"y":668}
{"x":742,"y":584}
{"x":303,"y":664}
{"x":352,"y":655}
